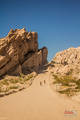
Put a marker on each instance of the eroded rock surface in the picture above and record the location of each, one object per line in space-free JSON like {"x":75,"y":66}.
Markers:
{"x":67,"y":62}
{"x":19,"y":52}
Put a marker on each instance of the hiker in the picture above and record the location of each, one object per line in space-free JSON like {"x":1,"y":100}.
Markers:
{"x":40,"y":83}
{"x":44,"y":81}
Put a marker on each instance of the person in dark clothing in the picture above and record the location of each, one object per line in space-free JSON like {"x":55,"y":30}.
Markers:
{"x":44,"y":81}
{"x":40,"y":83}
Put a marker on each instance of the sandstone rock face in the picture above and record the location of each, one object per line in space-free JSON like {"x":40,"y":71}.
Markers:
{"x":67,"y":62}
{"x":19,"y":52}
{"x":36,"y":60}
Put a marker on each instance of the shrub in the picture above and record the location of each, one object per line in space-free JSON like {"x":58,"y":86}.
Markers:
{"x":64,"y":80}
{"x":13,"y":81}
{"x":4,"y":82}
{"x":14,"y":87}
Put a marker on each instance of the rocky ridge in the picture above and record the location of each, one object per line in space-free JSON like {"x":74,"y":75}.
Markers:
{"x":67,"y":61}
{"x":19,"y":53}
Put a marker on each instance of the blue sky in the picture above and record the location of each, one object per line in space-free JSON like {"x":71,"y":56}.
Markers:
{"x":56,"y":21}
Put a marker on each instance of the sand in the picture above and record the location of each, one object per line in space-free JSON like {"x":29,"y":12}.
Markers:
{"x":38,"y":102}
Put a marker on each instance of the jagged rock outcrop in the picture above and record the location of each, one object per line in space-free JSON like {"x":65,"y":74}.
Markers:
{"x":19,"y":52}
{"x":67,"y":62}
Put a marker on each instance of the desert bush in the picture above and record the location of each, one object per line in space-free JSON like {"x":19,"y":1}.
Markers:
{"x":72,"y":84}
{"x":64,"y":80}
{"x":13,"y":81}
{"x":4,"y":82}
{"x":13,"y":87}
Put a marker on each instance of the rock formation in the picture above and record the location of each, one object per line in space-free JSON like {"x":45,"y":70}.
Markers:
{"x":19,"y":52}
{"x":67,"y":62}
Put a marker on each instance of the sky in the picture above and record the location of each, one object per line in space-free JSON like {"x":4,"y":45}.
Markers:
{"x":56,"y":21}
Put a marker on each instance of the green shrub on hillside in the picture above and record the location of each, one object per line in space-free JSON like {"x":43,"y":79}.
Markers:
{"x":72,"y":84}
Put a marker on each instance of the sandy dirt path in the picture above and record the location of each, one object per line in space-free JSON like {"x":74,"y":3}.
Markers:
{"x":38,"y":102}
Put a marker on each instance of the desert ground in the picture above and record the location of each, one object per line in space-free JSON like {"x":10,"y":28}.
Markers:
{"x":38,"y":102}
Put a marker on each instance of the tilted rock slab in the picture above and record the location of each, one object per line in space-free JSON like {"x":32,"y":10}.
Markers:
{"x":19,"y":52}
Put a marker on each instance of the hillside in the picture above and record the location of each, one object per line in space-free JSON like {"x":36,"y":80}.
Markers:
{"x":66,"y":71}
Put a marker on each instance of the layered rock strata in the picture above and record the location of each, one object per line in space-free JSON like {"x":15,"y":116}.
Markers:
{"x":19,"y":52}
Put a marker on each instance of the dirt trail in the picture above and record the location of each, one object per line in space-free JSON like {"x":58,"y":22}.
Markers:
{"x":38,"y":102}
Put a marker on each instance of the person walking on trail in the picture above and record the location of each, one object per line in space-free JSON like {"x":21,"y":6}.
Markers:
{"x":44,"y":81}
{"x":40,"y":83}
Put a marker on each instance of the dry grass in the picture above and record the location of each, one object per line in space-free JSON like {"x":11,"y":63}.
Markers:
{"x":71,"y":85}
{"x":14,"y":83}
